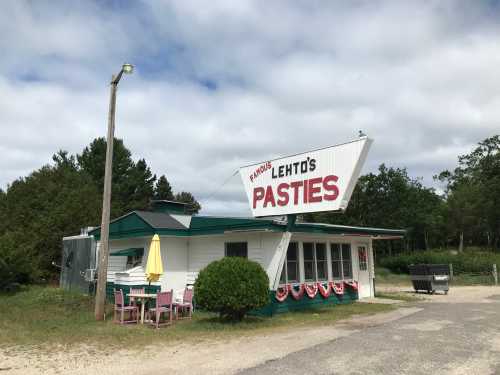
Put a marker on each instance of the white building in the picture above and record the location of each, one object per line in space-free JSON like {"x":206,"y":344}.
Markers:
{"x":295,"y":254}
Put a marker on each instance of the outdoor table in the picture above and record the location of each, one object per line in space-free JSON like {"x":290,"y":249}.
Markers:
{"x":143,"y":297}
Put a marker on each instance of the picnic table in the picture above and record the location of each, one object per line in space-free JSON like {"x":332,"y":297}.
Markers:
{"x":142,"y":297}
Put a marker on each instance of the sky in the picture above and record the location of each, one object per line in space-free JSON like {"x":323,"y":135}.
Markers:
{"x":222,"y":84}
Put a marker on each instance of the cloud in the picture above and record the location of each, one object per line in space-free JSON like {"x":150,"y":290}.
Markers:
{"x":239,"y":82}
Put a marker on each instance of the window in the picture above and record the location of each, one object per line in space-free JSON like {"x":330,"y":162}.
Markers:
{"x":336,"y":261}
{"x":341,"y":261}
{"x":290,"y":273}
{"x":315,"y":262}
{"x":321,"y":262}
{"x":237,"y":249}
{"x":133,"y":261}
{"x":346,"y":261}
{"x":309,"y":267}
{"x":363,"y":258}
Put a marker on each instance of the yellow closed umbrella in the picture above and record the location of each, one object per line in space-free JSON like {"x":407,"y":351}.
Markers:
{"x":154,"y":267}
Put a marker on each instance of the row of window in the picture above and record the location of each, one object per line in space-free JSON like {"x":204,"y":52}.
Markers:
{"x":316,"y":262}
{"x":314,"y":257}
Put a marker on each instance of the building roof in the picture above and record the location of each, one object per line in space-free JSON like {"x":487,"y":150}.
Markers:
{"x":146,"y":223}
{"x":160,"y":220}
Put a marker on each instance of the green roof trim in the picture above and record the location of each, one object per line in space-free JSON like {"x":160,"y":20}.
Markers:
{"x":344,"y":229}
{"x":133,"y":251}
{"x":217,"y":225}
{"x":129,"y":225}
{"x":137,"y":224}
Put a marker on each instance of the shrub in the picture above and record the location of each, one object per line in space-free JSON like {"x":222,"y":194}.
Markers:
{"x":17,"y":266}
{"x":231,"y":287}
{"x":466,"y":262}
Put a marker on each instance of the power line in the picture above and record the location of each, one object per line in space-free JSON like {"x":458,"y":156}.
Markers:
{"x":222,"y":185}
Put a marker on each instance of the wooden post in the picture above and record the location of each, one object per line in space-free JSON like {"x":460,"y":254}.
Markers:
{"x":461,"y":244}
{"x":102,"y":268}
{"x":495,"y":274}
{"x":451,"y":271}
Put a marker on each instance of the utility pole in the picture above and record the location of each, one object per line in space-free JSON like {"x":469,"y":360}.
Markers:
{"x":102,"y":265}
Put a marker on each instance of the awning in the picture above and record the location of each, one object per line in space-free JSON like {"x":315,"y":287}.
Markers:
{"x":133,"y":251}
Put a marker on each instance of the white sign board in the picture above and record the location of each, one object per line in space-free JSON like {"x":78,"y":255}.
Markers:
{"x":319,"y":180}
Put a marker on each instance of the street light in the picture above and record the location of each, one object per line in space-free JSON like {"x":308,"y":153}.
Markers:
{"x":127,"y":68}
{"x":102,"y":265}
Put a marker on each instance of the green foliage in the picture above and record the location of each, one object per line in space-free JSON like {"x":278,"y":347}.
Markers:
{"x":132,"y":183}
{"x":57,"y":200}
{"x":3,"y":211}
{"x":473,"y":195}
{"x":163,"y":190}
{"x":466,"y":262}
{"x":193,"y":206}
{"x":231,"y":287}
{"x":391,"y":199}
{"x":17,"y":264}
{"x":52,"y":202}
{"x":467,"y":214}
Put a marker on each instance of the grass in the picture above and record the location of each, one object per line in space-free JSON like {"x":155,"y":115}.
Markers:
{"x":384,"y":276}
{"x":401,"y":296}
{"x":465,"y":279}
{"x":44,"y":316}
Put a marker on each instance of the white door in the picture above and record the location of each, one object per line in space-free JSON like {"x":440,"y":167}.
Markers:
{"x":364,"y":280}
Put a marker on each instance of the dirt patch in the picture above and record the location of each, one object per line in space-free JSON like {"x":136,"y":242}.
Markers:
{"x":428,"y":326}
{"x":457,"y":294}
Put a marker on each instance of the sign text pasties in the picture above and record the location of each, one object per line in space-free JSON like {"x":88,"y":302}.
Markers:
{"x":320,"y":180}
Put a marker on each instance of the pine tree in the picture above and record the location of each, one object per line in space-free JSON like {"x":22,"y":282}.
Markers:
{"x":163,"y":190}
{"x":193,"y":206}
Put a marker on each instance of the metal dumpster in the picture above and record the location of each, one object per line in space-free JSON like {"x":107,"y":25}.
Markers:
{"x":430,"y":277}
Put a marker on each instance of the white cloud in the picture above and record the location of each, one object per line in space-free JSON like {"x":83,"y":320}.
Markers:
{"x":421,"y":78}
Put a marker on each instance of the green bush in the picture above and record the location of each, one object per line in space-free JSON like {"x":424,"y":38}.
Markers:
{"x":231,"y":287}
{"x":17,"y":266}
{"x":466,"y":262}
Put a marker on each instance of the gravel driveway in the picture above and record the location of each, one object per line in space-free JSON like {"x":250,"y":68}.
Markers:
{"x":456,"y":335}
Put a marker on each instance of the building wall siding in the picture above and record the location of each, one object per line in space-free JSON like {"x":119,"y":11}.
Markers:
{"x":203,"y":250}
{"x":184,"y":257}
{"x":119,"y":263}
{"x":174,"y":254}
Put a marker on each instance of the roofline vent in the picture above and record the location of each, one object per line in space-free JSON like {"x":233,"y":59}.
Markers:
{"x":169,"y":207}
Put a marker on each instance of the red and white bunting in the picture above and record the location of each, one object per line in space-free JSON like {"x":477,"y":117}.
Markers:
{"x":311,"y":290}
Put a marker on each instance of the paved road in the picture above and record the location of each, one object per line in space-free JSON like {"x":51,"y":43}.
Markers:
{"x":443,"y":338}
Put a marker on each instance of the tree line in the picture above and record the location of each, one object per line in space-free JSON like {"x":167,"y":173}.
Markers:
{"x":56,"y":200}
{"x":60,"y":198}
{"x":467,"y":213}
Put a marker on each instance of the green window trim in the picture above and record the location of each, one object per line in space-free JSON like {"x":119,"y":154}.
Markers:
{"x":133,"y":251}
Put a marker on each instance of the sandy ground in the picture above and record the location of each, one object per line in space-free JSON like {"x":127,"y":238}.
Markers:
{"x":459,"y":294}
{"x":220,"y":357}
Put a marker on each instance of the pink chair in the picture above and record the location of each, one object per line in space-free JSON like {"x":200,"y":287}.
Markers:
{"x":186,"y":306}
{"x":121,"y":308}
{"x":163,"y":306}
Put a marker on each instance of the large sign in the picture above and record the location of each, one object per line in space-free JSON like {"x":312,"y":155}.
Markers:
{"x":319,"y":180}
